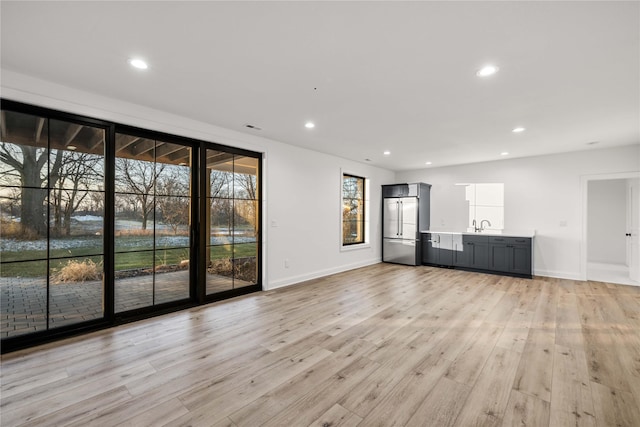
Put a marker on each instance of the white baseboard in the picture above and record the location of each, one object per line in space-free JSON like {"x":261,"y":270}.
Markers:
{"x":317,"y":274}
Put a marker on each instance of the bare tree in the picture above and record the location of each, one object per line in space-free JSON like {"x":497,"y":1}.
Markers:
{"x":138,"y":178}
{"x":79,"y":173}
{"x":10,"y":203}
{"x":246,"y":188}
{"x":96,"y":200}
{"x":219,"y":182}
{"x":220,"y":209}
{"x":173,"y":204}
{"x":219,"y":191}
{"x":26,"y":163}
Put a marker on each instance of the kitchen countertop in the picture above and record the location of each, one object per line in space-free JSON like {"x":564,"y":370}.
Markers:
{"x":503,"y":233}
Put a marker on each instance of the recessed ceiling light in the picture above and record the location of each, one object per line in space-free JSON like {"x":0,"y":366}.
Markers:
{"x":138,"y":63}
{"x":487,"y":70}
{"x":386,"y":153}
{"x":518,"y":129}
{"x":309,"y":125}
{"x":427,"y":163}
{"x":72,"y":147}
{"x":504,"y":153}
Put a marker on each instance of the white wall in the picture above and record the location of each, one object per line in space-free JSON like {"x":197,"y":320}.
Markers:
{"x":301,"y":191}
{"x":305,"y":203}
{"x":540,"y":193}
{"x":607,"y":221}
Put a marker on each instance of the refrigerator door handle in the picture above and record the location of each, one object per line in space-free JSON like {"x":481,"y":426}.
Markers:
{"x":398,"y":216}
{"x":401,"y":217}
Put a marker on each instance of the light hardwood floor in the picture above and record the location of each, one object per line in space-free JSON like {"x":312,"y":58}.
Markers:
{"x":377,"y":346}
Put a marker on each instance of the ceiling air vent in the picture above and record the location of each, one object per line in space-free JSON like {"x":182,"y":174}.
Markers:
{"x":252,"y":127}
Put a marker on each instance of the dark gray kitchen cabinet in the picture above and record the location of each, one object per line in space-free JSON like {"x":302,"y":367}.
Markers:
{"x":489,"y":254}
{"x":436,"y":249}
{"x":470,"y":251}
{"x":498,"y":254}
{"x":459,"y":256}
{"x":430,"y":249}
{"x":477,"y":248}
{"x":510,"y":255}
{"x":520,"y":256}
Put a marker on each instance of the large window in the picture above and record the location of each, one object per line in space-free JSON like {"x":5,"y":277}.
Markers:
{"x":51,"y":222}
{"x":353,"y":210}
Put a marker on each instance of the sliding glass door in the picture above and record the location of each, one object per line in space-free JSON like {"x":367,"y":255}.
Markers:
{"x":153,"y":186}
{"x":102,"y":223}
{"x":52,"y":223}
{"x":232,"y":221}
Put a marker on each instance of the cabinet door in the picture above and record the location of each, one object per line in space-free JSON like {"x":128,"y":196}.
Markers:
{"x":430,"y":249}
{"x":520,"y":259}
{"x":479,"y":255}
{"x":498,"y":257}
{"x":459,"y":252}
{"x":446,"y":249}
{"x":397,"y":190}
{"x":477,"y":252}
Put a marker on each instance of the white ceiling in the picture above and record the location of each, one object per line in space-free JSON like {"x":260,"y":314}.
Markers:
{"x":373,"y":76}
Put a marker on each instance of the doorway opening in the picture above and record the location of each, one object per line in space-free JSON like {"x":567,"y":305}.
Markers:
{"x":610,"y":250}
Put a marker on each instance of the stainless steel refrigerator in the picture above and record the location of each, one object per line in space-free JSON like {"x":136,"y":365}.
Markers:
{"x":405,"y":212}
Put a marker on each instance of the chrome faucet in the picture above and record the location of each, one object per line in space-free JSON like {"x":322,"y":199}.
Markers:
{"x":475,"y":227}
{"x":482,"y":224}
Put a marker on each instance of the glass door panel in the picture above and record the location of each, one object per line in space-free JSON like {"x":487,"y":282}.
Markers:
{"x":52,"y":219}
{"x":23,"y":224}
{"x":232,"y":221}
{"x":246,"y":220}
{"x":152,"y":222}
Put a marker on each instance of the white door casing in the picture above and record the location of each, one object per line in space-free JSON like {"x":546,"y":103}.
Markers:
{"x":633,"y":227}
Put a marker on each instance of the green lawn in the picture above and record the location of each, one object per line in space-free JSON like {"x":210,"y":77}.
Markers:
{"x":124,"y":260}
